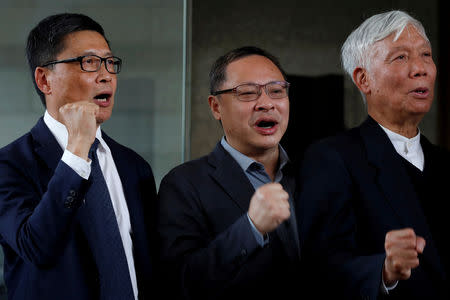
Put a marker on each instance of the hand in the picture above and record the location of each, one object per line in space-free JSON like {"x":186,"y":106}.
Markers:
{"x":402,"y":249}
{"x":80,"y":121}
{"x":269,"y":207}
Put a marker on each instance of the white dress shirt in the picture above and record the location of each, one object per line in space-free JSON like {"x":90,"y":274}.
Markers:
{"x":113,"y":182}
{"x":410,"y":149}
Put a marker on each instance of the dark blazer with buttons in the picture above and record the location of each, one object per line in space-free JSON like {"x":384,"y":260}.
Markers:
{"x":354,"y":189}
{"x":46,"y":253}
{"x":208,"y":248}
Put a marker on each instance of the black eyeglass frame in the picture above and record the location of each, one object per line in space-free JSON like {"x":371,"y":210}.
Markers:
{"x":80,"y":60}
{"x":260,"y":87}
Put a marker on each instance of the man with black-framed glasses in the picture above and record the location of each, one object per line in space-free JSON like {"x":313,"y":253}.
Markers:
{"x":226,"y":220}
{"x":74,"y":204}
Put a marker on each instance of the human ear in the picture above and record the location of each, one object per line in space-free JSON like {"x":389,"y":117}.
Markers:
{"x":215,"y":107}
{"x":41,"y":79}
{"x":361,"y":79}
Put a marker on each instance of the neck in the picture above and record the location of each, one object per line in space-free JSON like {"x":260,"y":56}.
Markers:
{"x":269,"y":159}
{"x":406,"y":127}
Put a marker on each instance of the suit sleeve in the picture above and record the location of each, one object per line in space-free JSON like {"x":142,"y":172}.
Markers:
{"x":329,"y":226}
{"x":34,"y":222}
{"x":201,"y":263}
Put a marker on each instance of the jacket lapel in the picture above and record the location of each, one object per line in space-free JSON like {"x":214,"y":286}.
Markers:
{"x":393,"y":180}
{"x":229,"y":175}
{"x":46,"y":147}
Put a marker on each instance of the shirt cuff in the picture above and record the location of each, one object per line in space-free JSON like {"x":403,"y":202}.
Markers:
{"x":78,"y":164}
{"x":260,"y":239}
{"x":386,"y":289}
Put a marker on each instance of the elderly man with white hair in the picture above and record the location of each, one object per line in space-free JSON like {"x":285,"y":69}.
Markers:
{"x":372,"y":201}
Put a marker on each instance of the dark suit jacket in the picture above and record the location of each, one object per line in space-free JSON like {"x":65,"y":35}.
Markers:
{"x":208,"y":248}
{"x":46,"y":253}
{"x":355,"y":188}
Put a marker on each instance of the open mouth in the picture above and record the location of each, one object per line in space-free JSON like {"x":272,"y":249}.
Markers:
{"x":420,"y":91}
{"x":102,"y":97}
{"x":265,"y":124}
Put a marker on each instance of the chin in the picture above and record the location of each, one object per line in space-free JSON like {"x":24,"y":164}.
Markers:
{"x":100,"y":120}
{"x":103,"y":117}
{"x":270,"y":143}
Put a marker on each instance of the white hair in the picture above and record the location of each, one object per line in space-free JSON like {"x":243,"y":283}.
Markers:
{"x":356,"y":50}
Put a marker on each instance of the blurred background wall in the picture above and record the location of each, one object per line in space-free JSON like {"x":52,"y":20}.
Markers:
{"x":168,"y":47}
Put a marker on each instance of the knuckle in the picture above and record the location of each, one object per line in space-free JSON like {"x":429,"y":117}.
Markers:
{"x":406,"y":273}
{"x":388,"y":236}
{"x":258,"y":193}
{"x":397,"y":266}
{"x":411,"y":243}
{"x":410,"y":233}
{"x":288,"y":215}
{"x":387,"y":244}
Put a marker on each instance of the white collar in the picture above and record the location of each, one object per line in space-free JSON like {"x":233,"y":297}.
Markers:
{"x":402,"y":144}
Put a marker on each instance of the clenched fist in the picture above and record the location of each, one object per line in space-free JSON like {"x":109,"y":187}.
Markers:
{"x":402,"y":250}
{"x":80,"y":121}
{"x":269,"y":207}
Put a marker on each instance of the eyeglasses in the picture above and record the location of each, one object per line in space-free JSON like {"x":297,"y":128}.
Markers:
{"x":92,"y":63}
{"x":252,"y":91}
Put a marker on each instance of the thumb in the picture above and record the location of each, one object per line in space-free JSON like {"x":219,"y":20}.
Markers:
{"x":420,"y":244}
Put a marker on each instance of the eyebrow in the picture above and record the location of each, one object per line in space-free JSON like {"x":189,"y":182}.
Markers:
{"x":403,"y":48}
{"x":89,"y":52}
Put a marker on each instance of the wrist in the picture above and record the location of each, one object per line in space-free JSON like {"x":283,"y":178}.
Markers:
{"x":387,"y":277}
{"x":79,"y":147}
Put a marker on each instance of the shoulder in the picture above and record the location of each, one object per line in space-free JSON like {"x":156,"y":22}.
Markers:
{"x":18,"y":150}
{"x":128,"y":158}
{"x":338,"y":155}
{"x":185,"y":181}
{"x":341,"y":143}
{"x":19,"y":160}
{"x":198,"y":169}
{"x":437,"y":152}
{"x":428,"y":145}
{"x":122,"y":151}
{"x":190,"y":170}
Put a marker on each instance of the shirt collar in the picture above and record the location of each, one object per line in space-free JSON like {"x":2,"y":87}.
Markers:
{"x":245,"y":162}
{"x":403,"y":144}
{"x":59,"y":131}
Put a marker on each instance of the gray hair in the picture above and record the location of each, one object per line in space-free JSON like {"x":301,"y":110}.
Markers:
{"x":356,"y":51}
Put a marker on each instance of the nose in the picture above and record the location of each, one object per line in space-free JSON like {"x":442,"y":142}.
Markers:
{"x":103,"y":74}
{"x":264,"y":102}
{"x":418,"y":67}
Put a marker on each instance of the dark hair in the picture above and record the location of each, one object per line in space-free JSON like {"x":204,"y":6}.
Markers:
{"x":46,"y":40}
{"x":218,"y":70}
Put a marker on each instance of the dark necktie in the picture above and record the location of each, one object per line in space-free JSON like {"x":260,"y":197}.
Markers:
{"x":99,"y":223}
